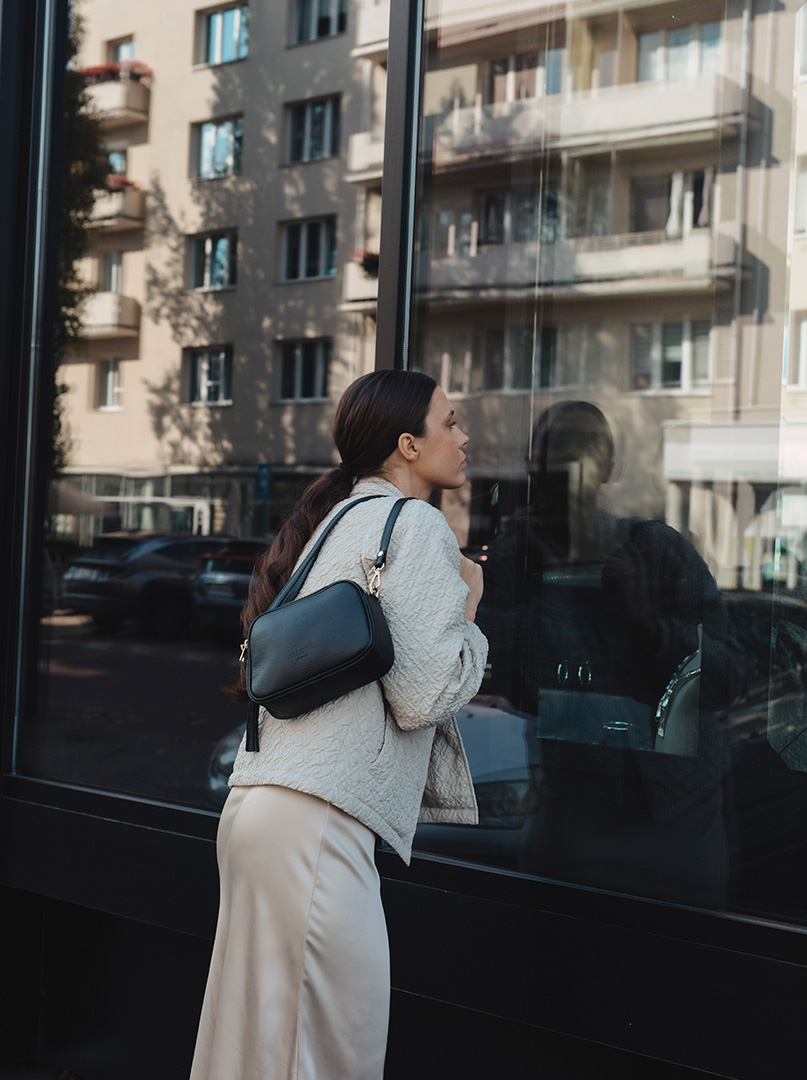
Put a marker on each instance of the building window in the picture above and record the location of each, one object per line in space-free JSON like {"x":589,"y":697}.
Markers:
{"x":525,"y":75}
{"x":314,"y":129}
{"x":210,"y":376}
{"x":220,"y":147}
{"x":117,"y":162}
{"x":318,"y":19}
{"x":226,"y":34}
{"x":497,"y":359}
{"x":681,"y":53}
{"x":121,"y":50}
{"x":310,"y":249}
{"x":670,"y":355}
{"x":110,"y":277}
{"x":108,"y":395}
{"x":797,"y":354}
{"x":800,"y":220}
{"x":213,"y":259}
{"x":304,"y":370}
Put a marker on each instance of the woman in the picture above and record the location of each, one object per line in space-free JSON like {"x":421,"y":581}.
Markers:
{"x":299,"y":978}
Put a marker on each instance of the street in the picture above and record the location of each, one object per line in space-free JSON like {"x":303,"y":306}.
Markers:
{"x":126,"y":713}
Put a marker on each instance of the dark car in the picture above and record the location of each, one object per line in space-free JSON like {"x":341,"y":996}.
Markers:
{"x":506,"y":772}
{"x":221,"y":586}
{"x":148,"y":580}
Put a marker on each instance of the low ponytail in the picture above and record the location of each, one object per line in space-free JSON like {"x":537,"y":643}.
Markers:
{"x":273,"y":569}
{"x":373,"y":412}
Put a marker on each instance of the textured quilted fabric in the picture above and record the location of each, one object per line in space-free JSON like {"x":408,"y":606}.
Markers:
{"x":388,"y":771}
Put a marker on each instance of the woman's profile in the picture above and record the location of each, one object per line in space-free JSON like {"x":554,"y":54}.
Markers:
{"x":299,"y":977}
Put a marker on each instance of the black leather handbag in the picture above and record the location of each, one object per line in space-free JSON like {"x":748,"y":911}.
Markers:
{"x":301,"y":654}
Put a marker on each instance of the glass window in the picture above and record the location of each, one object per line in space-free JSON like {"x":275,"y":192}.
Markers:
{"x":800,"y":219}
{"x":226,"y":34}
{"x":117,"y":162}
{"x":318,"y":19}
{"x":637,"y":482}
{"x":649,"y":57}
{"x":109,"y":396}
{"x":210,"y":376}
{"x":214,"y":260}
{"x":314,"y":129}
{"x":220,"y":144}
{"x":709,"y":59}
{"x":304,"y":370}
{"x":310,"y":249}
{"x":110,"y":278}
{"x":123,"y":50}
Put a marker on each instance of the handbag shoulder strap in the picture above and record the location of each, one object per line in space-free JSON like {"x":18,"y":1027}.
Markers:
{"x":292,"y":587}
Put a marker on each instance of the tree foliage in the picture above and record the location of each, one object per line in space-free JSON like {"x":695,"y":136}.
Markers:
{"x":83,"y":175}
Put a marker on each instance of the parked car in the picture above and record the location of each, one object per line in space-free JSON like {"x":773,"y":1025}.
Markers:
{"x":220,"y":588}
{"x":765,"y":795}
{"x":148,"y":580}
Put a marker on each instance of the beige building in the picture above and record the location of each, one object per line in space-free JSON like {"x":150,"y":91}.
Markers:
{"x":608,"y":217}
{"x":216,"y":341}
{"x":607,"y":212}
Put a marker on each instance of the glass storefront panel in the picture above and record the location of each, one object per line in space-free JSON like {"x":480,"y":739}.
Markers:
{"x":197,"y":375}
{"x":608,"y":275}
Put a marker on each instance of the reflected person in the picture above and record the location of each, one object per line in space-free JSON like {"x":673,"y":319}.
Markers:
{"x":589,"y":617}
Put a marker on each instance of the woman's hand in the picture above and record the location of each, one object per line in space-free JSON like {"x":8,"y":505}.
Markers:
{"x":471,"y":573}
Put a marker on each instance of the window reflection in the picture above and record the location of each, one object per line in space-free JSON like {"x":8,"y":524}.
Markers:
{"x":211,"y":329}
{"x":609,"y":321}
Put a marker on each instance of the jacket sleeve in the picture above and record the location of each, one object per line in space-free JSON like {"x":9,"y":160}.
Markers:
{"x":439,"y":655}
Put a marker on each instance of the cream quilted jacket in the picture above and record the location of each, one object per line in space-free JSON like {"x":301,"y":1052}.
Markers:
{"x":388,"y":771}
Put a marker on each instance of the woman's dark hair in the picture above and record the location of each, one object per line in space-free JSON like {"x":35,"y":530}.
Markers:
{"x":373,"y":412}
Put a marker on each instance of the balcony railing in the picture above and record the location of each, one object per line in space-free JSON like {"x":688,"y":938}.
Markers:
{"x":605,"y":265}
{"x":111,"y":315}
{"x":117,"y":210}
{"x":372,"y":31}
{"x":365,"y":156}
{"x":119,"y":92}
{"x":358,"y":287}
{"x":708,"y":104}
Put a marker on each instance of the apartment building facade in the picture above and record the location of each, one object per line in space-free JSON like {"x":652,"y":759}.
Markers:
{"x":593,"y":235}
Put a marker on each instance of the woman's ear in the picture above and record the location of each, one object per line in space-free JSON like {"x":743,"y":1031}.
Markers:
{"x":407,"y":447}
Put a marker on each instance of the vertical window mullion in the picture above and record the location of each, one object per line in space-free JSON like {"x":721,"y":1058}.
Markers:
{"x":655,"y":357}
{"x":686,"y":357}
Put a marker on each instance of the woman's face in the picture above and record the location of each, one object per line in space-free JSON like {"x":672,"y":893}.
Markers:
{"x":440,"y":462}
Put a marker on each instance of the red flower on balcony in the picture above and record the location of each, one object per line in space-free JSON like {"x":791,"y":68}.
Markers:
{"x":117,"y":71}
{"x":368,"y":261}
{"x":115,"y":182}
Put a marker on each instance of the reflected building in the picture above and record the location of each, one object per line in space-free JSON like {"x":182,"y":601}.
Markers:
{"x":604,"y":212}
{"x":216,"y":342}
{"x":604,"y":195}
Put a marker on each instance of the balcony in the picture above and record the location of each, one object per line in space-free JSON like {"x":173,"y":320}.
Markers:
{"x":372,"y":32}
{"x":632,"y":115}
{"x":602,"y":266}
{"x":111,"y":315}
{"x":365,"y":157}
{"x":359,"y":290}
{"x":124,"y":208}
{"x":119,"y":93}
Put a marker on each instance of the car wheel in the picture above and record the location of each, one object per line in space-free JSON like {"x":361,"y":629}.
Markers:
{"x":165,"y":615}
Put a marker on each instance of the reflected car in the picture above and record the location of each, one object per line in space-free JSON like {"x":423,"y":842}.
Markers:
{"x":501,"y":750}
{"x":148,"y":581}
{"x":220,"y":588}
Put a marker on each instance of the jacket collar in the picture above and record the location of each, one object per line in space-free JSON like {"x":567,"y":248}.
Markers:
{"x":375,"y":485}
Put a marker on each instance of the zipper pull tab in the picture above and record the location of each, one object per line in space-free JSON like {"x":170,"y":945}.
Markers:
{"x":243,"y":657}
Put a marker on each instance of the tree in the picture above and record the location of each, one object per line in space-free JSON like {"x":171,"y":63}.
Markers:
{"x":83,"y":176}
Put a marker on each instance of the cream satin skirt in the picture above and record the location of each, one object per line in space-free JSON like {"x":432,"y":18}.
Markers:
{"x":299,"y":978}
